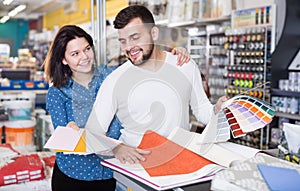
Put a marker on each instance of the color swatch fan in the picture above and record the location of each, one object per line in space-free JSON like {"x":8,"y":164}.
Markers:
{"x":246,"y":114}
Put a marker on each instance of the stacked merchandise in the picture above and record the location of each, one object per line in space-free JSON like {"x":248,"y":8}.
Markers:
{"x":178,"y":12}
{"x":250,"y":43}
{"x":19,"y":128}
{"x":3,"y":117}
{"x":31,"y":171}
{"x":262,"y":172}
{"x":43,"y":131}
{"x":249,"y":71}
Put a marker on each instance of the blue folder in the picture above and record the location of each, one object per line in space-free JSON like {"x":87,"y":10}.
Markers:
{"x":280,"y":179}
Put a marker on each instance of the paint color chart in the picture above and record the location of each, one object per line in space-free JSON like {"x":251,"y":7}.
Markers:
{"x":246,"y":114}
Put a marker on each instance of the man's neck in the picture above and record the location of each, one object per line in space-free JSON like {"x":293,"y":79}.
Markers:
{"x":155,"y":62}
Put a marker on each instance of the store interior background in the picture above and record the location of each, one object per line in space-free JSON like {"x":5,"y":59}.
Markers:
{"x":30,"y":33}
{"x":261,"y":60}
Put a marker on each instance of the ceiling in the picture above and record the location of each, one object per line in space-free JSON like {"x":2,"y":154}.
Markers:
{"x":34,"y":8}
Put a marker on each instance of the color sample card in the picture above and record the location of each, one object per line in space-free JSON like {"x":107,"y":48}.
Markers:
{"x":246,"y":114}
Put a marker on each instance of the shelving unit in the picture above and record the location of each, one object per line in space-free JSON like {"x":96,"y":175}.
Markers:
{"x":278,"y":92}
{"x":217,"y":62}
{"x":287,"y":115}
{"x":248,"y":72}
{"x":207,"y":49}
{"x":197,"y":46}
{"x":286,"y":104}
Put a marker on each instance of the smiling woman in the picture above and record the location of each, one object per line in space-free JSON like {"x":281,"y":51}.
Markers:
{"x":70,"y":66}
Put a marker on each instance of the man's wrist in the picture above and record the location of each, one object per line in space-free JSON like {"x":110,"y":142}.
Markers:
{"x":215,"y":109}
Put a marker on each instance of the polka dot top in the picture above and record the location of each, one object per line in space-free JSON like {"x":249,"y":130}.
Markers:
{"x":74,"y":102}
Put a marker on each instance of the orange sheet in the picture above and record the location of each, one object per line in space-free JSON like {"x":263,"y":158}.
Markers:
{"x":169,"y":158}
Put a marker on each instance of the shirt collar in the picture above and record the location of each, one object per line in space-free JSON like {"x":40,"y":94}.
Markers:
{"x":70,"y":81}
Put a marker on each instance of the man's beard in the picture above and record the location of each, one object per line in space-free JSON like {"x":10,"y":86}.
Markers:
{"x":145,"y":57}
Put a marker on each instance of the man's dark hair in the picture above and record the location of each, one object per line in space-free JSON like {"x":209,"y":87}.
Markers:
{"x":131,"y":12}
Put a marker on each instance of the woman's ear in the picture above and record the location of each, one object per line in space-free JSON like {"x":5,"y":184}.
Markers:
{"x":64,"y":62}
{"x":154,"y":33}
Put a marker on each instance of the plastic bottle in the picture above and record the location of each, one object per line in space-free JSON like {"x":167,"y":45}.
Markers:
{"x":294,"y":105}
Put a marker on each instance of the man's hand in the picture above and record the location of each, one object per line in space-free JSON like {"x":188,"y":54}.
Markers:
{"x":129,"y":154}
{"x":219,"y":103}
{"x":183,"y":55}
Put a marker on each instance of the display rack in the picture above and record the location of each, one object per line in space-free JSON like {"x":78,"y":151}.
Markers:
{"x":249,"y":71}
{"x":207,"y":49}
{"x":250,"y":42}
{"x":282,"y":66}
{"x":197,"y":46}
{"x":217,"y":61}
{"x":24,"y":85}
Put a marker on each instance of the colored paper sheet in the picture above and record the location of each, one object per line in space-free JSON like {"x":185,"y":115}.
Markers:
{"x":169,"y":158}
{"x":82,"y":141}
{"x":280,"y":179}
{"x":64,"y":139}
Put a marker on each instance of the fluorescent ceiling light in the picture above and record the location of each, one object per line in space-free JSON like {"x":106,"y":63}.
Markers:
{"x":7,"y":2}
{"x":16,"y":10}
{"x":4,"y":19}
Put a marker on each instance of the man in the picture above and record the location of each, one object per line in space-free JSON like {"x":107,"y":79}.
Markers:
{"x":149,"y":91}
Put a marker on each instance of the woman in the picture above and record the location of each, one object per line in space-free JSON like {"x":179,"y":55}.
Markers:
{"x":71,"y":68}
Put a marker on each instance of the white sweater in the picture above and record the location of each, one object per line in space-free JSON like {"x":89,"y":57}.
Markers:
{"x":145,"y":100}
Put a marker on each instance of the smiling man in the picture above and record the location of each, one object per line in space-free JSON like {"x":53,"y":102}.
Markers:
{"x":149,"y":91}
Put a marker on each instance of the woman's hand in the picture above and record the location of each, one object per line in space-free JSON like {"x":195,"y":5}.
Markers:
{"x":183,"y":55}
{"x":129,"y":154}
{"x":73,"y":125}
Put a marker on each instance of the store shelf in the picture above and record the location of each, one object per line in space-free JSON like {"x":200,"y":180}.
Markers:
{"x":162,"y":22}
{"x":287,"y":115}
{"x":199,"y":22}
{"x":198,"y":56}
{"x":283,"y":93}
{"x":197,"y":47}
{"x":278,"y":92}
{"x":213,"y":20}
{"x":180,"y":24}
{"x":25,"y":85}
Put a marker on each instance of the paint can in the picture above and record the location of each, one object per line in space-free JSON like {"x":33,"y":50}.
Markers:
{"x":19,"y":133}
{"x":18,"y":109}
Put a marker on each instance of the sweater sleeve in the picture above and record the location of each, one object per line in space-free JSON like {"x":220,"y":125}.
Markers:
{"x":101,"y":116}
{"x":200,"y":104}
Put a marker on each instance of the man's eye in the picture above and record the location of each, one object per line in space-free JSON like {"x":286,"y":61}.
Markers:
{"x":135,"y":38}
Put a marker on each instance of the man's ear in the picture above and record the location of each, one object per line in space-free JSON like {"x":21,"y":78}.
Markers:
{"x":154,"y":33}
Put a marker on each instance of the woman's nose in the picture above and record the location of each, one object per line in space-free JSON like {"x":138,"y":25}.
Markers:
{"x":84,"y":55}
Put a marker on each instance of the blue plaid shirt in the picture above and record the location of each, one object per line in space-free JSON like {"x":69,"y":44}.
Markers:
{"x":74,"y":102}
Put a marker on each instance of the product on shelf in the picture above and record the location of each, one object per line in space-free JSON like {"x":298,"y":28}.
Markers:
{"x":248,"y":72}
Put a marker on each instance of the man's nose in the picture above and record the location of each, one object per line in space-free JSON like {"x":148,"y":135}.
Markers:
{"x":129,"y":45}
